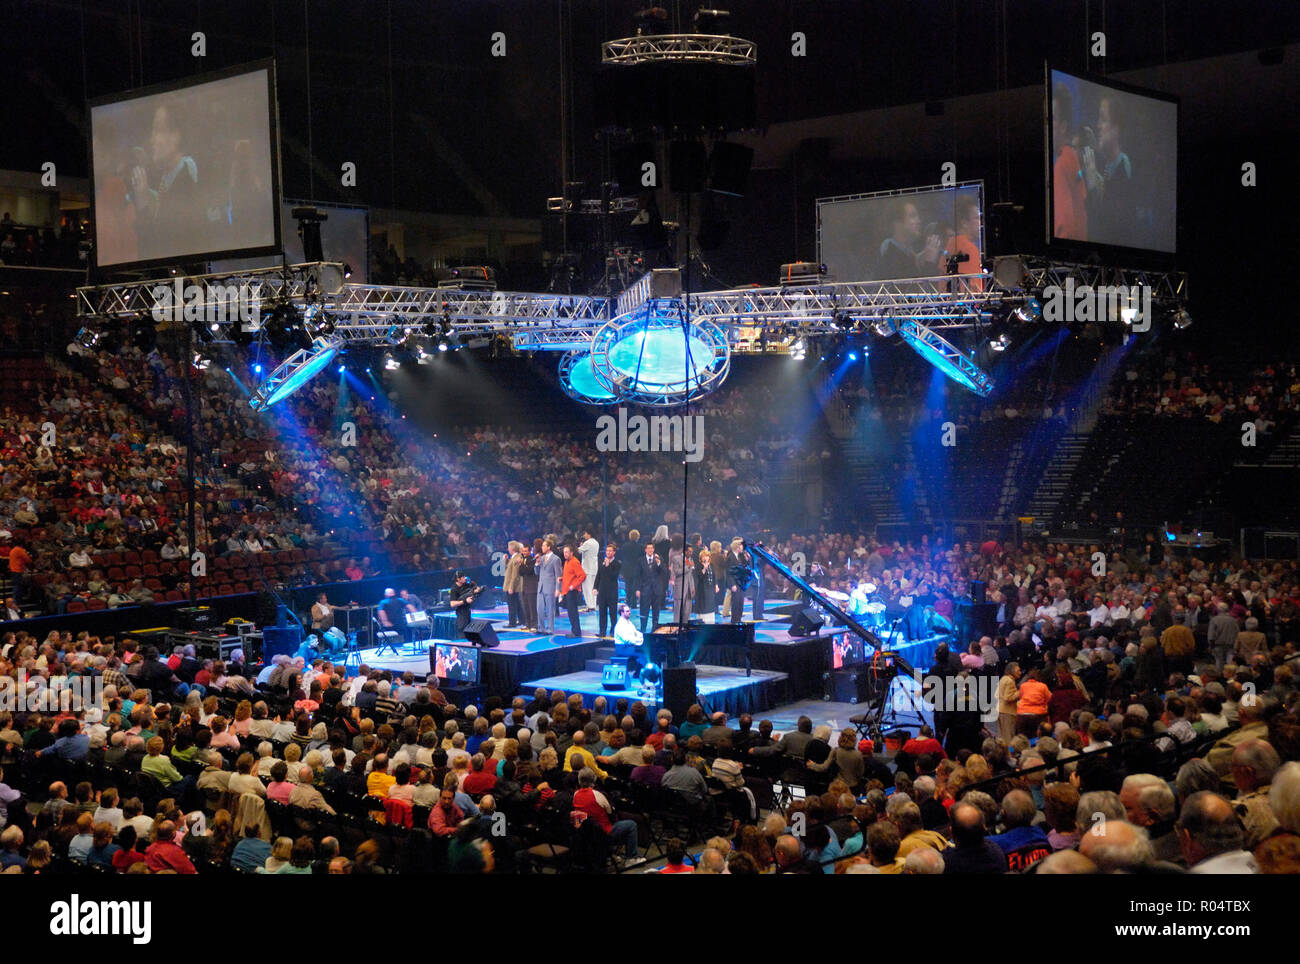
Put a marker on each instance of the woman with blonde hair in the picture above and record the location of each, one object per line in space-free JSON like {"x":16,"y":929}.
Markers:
{"x":281,"y":853}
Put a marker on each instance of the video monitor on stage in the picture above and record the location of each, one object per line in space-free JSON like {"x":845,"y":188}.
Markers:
{"x":846,"y":650}
{"x":1112,"y":164}
{"x":187,"y":171}
{"x":453,"y":661}
{"x":918,"y":233}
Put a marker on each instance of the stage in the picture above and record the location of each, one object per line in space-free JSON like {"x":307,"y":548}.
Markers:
{"x":790,"y":668}
{"x":718,"y":688}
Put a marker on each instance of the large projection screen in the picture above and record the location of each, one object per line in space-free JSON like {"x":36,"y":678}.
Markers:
{"x":344,"y":236}
{"x":917,"y":233}
{"x":188,"y":171}
{"x":1112,"y":164}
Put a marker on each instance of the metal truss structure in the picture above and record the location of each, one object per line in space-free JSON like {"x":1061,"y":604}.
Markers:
{"x":1167,"y":287}
{"x":750,"y":318}
{"x":708,"y":48}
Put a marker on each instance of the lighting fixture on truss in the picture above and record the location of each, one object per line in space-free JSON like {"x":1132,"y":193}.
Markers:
{"x":945,"y":356}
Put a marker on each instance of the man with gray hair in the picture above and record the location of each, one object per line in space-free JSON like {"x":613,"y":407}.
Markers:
{"x":1222,"y":635}
{"x":1023,"y":843}
{"x":907,"y":818}
{"x":1097,"y":807}
{"x":1149,"y":803}
{"x":1212,"y":837}
{"x":1119,"y":848}
{"x":923,"y":860}
{"x":1254,"y":764}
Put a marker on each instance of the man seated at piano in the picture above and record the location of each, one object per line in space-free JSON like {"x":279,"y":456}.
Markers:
{"x":629,"y":642}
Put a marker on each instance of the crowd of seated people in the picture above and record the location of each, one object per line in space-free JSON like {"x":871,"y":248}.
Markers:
{"x":1161,"y":696}
{"x":36,"y":246}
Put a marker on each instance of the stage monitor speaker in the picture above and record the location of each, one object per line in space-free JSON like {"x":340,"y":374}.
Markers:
{"x":278,"y":640}
{"x":480,"y":633}
{"x":614,"y":675}
{"x":974,"y":620}
{"x":806,"y":621}
{"x":679,"y":689}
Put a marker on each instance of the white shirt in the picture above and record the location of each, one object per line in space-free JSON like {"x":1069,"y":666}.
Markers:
{"x":1233,"y":862}
{"x":626,"y":633}
{"x":588,"y":552}
{"x":1100,"y":616}
{"x":1119,"y":612}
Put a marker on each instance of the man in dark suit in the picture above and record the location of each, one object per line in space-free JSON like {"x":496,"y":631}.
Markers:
{"x":630,"y":557}
{"x":607,"y":589}
{"x":738,"y":575}
{"x":651,"y":584}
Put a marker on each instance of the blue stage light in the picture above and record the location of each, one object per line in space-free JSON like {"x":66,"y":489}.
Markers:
{"x":853,"y":356}
{"x":946,"y":357}
{"x":579,"y":381}
{"x":257,"y":369}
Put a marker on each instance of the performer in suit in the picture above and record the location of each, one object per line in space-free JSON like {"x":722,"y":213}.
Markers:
{"x":510,"y":585}
{"x":651,"y":575}
{"x":571,"y":589}
{"x":630,"y":557}
{"x":588,"y":554}
{"x":681,"y":568}
{"x":528,"y":584}
{"x":463,"y":594}
{"x":738,"y":575}
{"x":550,"y":571}
{"x":607,"y":588}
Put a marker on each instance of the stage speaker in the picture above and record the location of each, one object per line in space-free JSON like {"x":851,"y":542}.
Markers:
{"x":277,"y":640}
{"x":806,"y":622}
{"x":729,"y":166}
{"x":847,"y":685}
{"x":688,"y":166}
{"x":975,"y":620}
{"x":614,"y":675}
{"x":979,"y":591}
{"x":679,"y":689}
{"x":480,"y":633}
{"x":629,"y":167}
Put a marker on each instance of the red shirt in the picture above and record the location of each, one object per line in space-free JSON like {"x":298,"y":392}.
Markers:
{"x":479,"y":781}
{"x":585,"y":800}
{"x":574,"y":575}
{"x":917,"y":745}
{"x":19,"y":560}
{"x":165,"y":855}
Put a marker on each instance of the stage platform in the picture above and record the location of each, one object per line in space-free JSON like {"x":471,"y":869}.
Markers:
{"x":793,"y":665}
{"x":720,"y":688}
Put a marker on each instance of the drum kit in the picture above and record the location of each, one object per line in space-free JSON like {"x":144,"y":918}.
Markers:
{"x":869,"y":607}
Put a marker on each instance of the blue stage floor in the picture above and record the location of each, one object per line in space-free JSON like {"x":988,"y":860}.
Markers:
{"x":720,"y":688}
